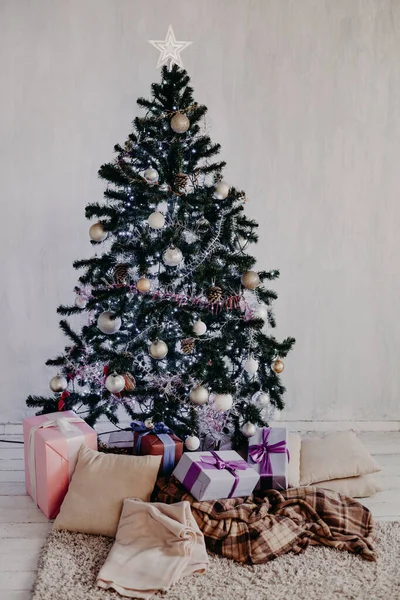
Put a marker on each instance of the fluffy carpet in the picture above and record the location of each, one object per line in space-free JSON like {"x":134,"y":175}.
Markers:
{"x":69,"y":563}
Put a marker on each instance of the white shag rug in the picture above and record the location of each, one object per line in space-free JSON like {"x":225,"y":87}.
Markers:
{"x":69,"y":563}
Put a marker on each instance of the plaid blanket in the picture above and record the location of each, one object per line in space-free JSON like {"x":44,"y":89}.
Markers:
{"x":257,"y":529}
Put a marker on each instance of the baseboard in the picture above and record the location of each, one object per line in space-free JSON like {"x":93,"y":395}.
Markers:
{"x":101,"y":427}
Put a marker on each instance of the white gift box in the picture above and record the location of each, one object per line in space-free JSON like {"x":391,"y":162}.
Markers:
{"x":208,"y":482}
{"x":272,"y":448}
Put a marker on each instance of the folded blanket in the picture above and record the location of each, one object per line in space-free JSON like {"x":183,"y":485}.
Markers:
{"x":257,"y":529}
{"x":156,"y":544}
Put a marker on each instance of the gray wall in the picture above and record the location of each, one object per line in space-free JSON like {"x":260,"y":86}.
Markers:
{"x":304,"y":96}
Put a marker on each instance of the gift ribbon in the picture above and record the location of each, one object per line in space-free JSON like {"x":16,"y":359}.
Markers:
{"x":214,"y":462}
{"x":70,"y":431}
{"x":162,"y":432}
{"x":260,"y":453}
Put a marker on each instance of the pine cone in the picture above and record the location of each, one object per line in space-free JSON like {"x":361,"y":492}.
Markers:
{"x":180,"y":182}
{"x":130,"y":382}
{"x":121,"y":273}
{"x":187,"y":345}
{"x":214,"y":294}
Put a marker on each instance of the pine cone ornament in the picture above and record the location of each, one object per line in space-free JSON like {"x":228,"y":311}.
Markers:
{"x":121,"y":273}
{"x":214,"y":294}
{"x":130,"y":382}
{"x":180,"y":182}
{"x":187,"y":345}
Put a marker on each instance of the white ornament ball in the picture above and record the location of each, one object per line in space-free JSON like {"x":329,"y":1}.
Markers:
{"x":58,"y":383}
{"x":263,"y":399}
{"x":199,"y":395}
{"x":248,"y":429}
{"x":250,"y":280}
{"x":172,"y":256}
{"x":192,"y":443}
{"x":223,"y":402}
{"x":80,"y":301}
{"x":158,"y":349}
{"x":156,"y":220}
{"x":251,"y":366}
{"x":107,"y":324}
{"x":180,"y":123}
{"x":221,"y":190}
{"x":260,"y":312}
{"x":149,"y":423}
{"x":97,"y":232}
{"x":200,"y":327}
{"x":115,"y":383}
{"x":151,"y":175}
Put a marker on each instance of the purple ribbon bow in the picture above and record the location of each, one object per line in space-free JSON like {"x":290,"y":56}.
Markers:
{"x":260,"y":453}
{"x":162,"y":431}
{"x":214,"y":462}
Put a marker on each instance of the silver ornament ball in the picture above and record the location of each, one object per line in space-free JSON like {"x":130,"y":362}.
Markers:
{"x":58,"y":383}
{"x":158,"y":349}
{"x":172,"y":257}
{"x":151,"y":175}
{"x":97,"y":233}
{"x":156,"y":220}
{"x":180,"y":123}
{"x":80,"y":302}
{"x":200,"y":327}
{"x":221,"y":190}
{"x":107,"y":324}
{"x":251,"y":366}
{"x":223,"y":402}
{"x":149,"y":423}
{"x":199,"y":395}
{"x":115,"y":383}
{"x":192,"y":443}
{"x":263,"y":399}
{"x":248,"y":429}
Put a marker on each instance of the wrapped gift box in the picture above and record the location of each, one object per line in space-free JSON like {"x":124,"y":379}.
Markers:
{"x":51,"y":445}
{"x":269,"y":456}
{"x":158,"y":441}
{"x":214,"y":475}
{"x":122,"y":439}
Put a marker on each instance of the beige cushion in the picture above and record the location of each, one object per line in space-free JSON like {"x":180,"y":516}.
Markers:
{"x":294,"y":445}
{"x":98,"y":487}
{"x":334,"y":456}
{"x":355,"y":487}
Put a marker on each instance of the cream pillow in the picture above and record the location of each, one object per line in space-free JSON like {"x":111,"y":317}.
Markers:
{"x":334,"y":456}
{"x":98,"y":487}
{"x":355,"y":487}
{"x":294,"y":446}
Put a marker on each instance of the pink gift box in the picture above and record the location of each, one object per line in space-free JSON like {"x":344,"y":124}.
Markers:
{"x":51,"y":446}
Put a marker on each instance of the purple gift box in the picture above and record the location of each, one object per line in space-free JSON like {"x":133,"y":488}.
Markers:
{"x":215,"y":475}
{"x":269,"y":456}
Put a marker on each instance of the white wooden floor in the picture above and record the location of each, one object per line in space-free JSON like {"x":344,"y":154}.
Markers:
{"x":23,"y":527}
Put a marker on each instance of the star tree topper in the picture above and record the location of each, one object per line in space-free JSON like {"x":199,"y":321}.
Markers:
{"x":170,"y":50}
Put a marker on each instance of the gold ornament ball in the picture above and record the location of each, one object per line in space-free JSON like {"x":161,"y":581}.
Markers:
{"x":97,"y":233}
{"x":58,"y":383}
{"x":143,"y":285}
{"x":277,"y":366}
{"x":199,"y":395}
{"x":180,"y":123}
{"x":158,"y":350}
{"x":221,"y":190}
{"x":192,"y":443}
{"x":250,"y":280}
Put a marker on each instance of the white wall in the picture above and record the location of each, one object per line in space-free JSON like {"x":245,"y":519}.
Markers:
{"x":304,"y":96}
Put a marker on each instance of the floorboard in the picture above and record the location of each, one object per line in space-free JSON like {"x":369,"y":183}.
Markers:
{"x":23,"y":527}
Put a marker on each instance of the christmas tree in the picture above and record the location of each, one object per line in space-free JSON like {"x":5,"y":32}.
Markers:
{"x":178,"y":319}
